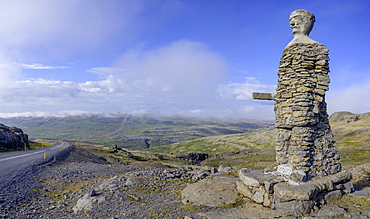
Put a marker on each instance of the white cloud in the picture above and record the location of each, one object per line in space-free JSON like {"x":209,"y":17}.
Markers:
{"x":183,"y":73}
{"x":353,"y":98}
{"x":243,"y":91}
{"x":46,"y":114}
{"x":110,"y":84}
{"x":104,"y":71}
{"x":41,"y":66}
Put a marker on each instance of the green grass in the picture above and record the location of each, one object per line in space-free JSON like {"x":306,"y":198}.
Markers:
{"x":128,"y":131}
{"x":353,"y":203}
{"x":40,"y":143}
{"x":353,"y":154}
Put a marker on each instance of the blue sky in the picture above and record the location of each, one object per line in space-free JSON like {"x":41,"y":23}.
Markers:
{"x":199,"y":58}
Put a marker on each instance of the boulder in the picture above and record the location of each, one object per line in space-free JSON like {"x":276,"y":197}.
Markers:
{"x":286,"y":192}
{"x":214,"y":191}
{"x":86,"y":202}
{"x":254,"y":178}
{"x":227,"y":168}
{"x":132,"y":181}
{"x":295,"y":207}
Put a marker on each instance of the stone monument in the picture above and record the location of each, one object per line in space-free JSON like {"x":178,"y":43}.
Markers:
{"x":304,"y":141}
{"x":308,"y":168}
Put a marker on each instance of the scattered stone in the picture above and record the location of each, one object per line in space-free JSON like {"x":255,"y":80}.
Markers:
{"x":244,"y":190}
{"x":93,"y":193}
{"x":87,"y":201}
{"x":333,"y":195}
{"x":348,"y":187}
{"x":131,"y":181}
{"x":329,"y":211}
{"x":109,"y":184}
{"x":227,"y":168}
{"x":362,"y":193}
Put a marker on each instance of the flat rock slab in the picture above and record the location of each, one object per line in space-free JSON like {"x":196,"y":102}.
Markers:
{"x":249,"y":210}
{"x":363,"y":193}
{"x":284,"y":192}
{"x":215,"y":191}
{"x":361,"y":169}
{"x":329,"y":211}
{"x":254,"y":178}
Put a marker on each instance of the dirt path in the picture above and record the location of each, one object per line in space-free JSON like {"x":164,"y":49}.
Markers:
{"x":120,"y":128}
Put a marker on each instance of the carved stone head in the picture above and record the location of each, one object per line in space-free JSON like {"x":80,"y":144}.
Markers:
{"x":301,"y":22}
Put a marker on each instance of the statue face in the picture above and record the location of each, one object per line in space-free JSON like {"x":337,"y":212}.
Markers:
{"x":300,"y":26}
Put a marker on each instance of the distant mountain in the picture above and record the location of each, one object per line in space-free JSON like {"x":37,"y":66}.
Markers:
{"x":349,"y":127}
{"x":129,"y":131}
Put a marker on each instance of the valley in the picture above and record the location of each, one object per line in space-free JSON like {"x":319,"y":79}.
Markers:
{"x":111,"y":152}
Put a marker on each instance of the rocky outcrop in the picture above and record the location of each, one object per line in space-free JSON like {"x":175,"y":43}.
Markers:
{"x":193,"y":158}
{"x":12,"y":138}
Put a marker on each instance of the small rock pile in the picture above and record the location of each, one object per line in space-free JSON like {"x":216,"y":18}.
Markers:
{"x":187,"y":174}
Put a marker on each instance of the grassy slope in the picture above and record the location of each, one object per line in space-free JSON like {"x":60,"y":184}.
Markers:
{"x":130,"y":132}
{"x":222,"y":143}
{"x":181,"y":135}
{"x":351,"y":132}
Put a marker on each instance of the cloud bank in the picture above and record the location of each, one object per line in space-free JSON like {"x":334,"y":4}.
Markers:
{"x":182,"y":78}
{"x":353,"y":98}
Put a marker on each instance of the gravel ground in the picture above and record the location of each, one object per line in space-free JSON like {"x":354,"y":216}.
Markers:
{"x":79,"y":184}
{"x":84,"y":186}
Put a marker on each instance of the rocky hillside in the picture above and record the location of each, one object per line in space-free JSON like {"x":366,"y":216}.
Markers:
{"x":12,"y":138}
{"x":351,"y":131}
{"x":349,"y":127}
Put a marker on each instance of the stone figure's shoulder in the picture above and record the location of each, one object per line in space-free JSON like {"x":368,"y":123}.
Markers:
{"x":300,"y":47}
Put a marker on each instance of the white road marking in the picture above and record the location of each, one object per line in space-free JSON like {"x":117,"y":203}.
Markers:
{"x":57,"y":146}
{"x":23,"y":155}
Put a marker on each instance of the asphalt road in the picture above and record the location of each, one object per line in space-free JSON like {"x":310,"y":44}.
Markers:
{"x":11,"y":162}
{"x":18,"y":173}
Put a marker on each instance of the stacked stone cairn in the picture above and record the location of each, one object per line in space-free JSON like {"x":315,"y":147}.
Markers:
{"x":304,"y":141}
{"x":308,"y":170}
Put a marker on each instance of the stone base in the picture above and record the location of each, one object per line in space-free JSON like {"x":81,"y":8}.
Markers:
{"x":296,"y":200}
